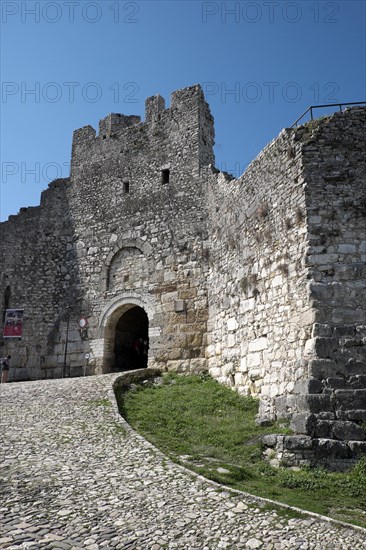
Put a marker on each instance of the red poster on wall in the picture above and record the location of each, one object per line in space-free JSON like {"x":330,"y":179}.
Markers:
{"x":13,"y":326}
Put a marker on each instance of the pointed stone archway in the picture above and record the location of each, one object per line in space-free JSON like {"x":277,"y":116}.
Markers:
{"x":131,"y":340}
{"x":127,"y":318}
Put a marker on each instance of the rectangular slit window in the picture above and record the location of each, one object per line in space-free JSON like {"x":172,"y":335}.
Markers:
{"x":126,"y":186}
{"x":165,"y":176}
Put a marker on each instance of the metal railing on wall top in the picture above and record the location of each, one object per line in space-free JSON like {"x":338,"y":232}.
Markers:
{"x":341,"y":106}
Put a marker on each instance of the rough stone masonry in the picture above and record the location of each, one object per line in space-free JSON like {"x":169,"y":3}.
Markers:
{"x":261,"y":280}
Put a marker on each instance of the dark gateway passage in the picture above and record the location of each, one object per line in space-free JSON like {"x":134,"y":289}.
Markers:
{"x":131,"y":340}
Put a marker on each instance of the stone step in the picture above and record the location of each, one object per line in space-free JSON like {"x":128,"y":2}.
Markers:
{"x":338,"y":429}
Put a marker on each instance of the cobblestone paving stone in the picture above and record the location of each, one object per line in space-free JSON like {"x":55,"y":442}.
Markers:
{"x":72,"y":477}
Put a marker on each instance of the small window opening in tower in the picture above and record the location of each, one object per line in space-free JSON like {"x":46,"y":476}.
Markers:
{"x":126,"y":186}
{"x":165,"y":176}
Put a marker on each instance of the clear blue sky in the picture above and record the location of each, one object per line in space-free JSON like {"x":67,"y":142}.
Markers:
{"x":85,"y":59}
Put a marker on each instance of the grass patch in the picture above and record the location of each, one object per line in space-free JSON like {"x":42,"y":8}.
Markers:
{"x":212,"y":430}
{"x":286,"y":513}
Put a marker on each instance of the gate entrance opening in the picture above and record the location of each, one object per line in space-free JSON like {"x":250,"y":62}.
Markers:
{"x":131,"y":341}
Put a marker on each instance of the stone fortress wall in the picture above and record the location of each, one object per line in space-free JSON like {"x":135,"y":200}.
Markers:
{"x":287,"y":321}
{"x":261,"y":280}
{"x":36,"y":271}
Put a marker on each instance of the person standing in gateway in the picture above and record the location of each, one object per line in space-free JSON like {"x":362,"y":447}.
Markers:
{"x":5,"y":369}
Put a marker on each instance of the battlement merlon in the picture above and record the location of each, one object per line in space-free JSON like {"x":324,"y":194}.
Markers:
{"x":115,"y":122}
{"x":190,"y":102}
{"x":154,"y":107}
{"x":184,"y":98}
{"x":112,"y":123}
{"x":187,"y":104}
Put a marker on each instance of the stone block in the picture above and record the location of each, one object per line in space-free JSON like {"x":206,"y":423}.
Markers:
{"x":22,"y":373}
{"x":347,"y":248}
{"x":318,"y":402}
{"x":231,"y":340}
{"x":361,"y":330}
{"x":201,"y":315}
{"x":354,"y":367}
{"x":259,"y":344}
{"x":321,"y":291}
{"x":227,"y":369}
{"x":336,"y":383}
{"x":193,"y":327}
{"x":347,"y":315}
{"x":232,"y":324}
{"x":277,"y":281}
{"x":322,"y":259}
{"x":311,"y":385}
{"x":347,"y":431}
{"x":322,"y":347}
{"x":198,"y":365}
{"x":271,"y":440}
{"x":353,"y":414}
{"x":239,"y":379}
{"x":322,"y":368}
{"x":215,"y":372}
{"x":188,"y":294}
{"x":76,"y":371}
{"x":243,"y":365}
{"x":74,"y":347}
{"x":178,"y":366}
{"x":350,"y":399}
{"x":169,"y":296}
{"x":309,"y":348}
{"x":265,"y":390}
{"x":248,"y":305}
{"x":326,"y":415}
{"x":307,"y":318}
{"x":331,"y":448}
{"x":303,"y":423}
{"x":169,"y":276}
{"x":254,"y":359}
{"x":179,"y":306}
{"x":243,"y":390}
{"x":323,"y":429}
{"x":322,"y":329}
{"x":357,"y":381}
{"x":351,"y":342}
{"x":297,"y":442}
{"x":218,"y":348}
{"x":357,"y":447}
{"x":194,"y":340}
{"x":344,"y":330}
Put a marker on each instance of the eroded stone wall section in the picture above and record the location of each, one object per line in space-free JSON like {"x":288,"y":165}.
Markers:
{"x":331,"y":403}
{"x":37,"y":267}
{"x":260,"y":315}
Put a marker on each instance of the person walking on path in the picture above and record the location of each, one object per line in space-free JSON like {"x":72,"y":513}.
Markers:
{"x":5,"y":369}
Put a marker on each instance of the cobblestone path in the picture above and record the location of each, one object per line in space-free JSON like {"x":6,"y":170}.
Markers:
{"x":72,"y":477}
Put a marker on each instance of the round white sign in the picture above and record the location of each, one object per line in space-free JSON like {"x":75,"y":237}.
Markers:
{"x":83,"y":322}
